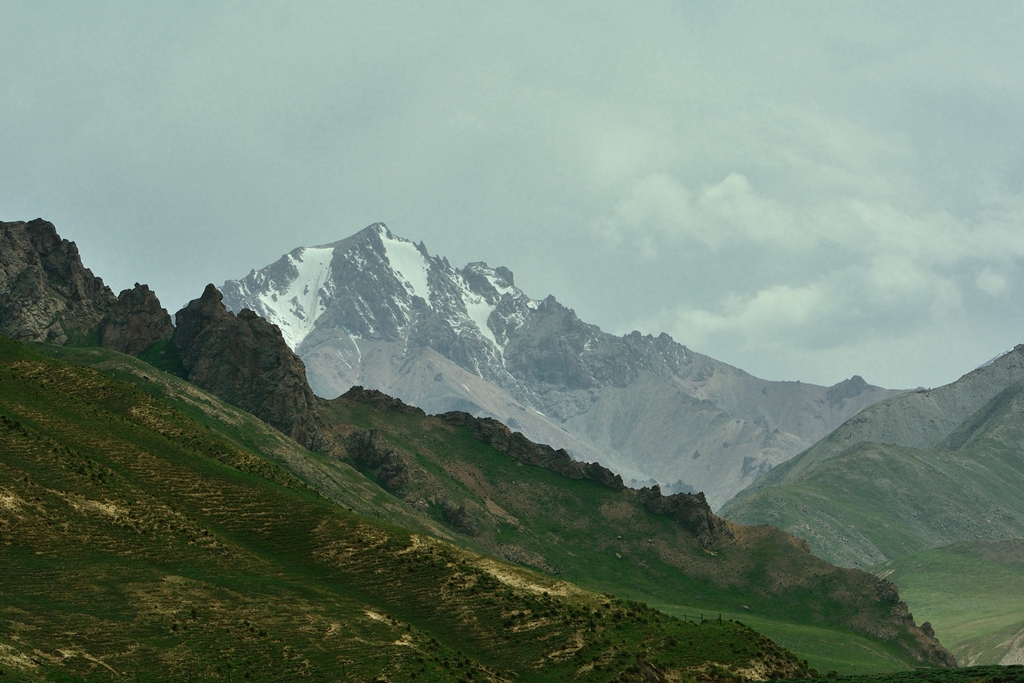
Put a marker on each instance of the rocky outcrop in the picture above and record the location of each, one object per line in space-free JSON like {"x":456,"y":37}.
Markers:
{"x":924,"y":635}
{"x":690,"y":510}
{"x":46,"y":294}
{"x":245,"y":361}
{"x":519,"y":448}
{"x":136,"y":322}
{"x":371,"y":454}
{"x":458,"y":518}
{"x":400,"y":474}
{"x":381,"y":401}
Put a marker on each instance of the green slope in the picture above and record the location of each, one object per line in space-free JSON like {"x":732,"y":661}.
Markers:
{"x":336,"y":480}
{"x":973,"y":595}
{"x":139,"y":543}
{"x":609,"y":541}
{"x":759,"y":577}
{"x":877,"y":502}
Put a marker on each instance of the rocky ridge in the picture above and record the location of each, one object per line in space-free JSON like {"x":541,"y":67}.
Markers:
{"x":244,"y":360}
{"x":528,"y":518}
{"x":379,"y":311}
{"x":395,"y":470}
{"x":46,"y":294}
{"x":519,"y":448}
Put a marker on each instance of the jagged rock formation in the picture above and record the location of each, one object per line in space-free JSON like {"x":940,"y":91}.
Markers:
{"x":46,"y":294}
{"x":889,"y":594}
{"x":379,"y":311}
{"x":244,"y":360}
{"x":135,"y":322}
{"x":689,"y":510}
{"x":381,"y":401}
{"x":369,"y":451}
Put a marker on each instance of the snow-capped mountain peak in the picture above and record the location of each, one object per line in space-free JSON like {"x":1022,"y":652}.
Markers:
{"x":291,"y":293}
{"x":377,"y":285}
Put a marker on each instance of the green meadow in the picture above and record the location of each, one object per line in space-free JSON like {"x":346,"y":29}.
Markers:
{"x":973,"y":595}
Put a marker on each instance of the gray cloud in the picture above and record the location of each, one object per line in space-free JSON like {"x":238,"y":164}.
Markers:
{"x":807,"y":191}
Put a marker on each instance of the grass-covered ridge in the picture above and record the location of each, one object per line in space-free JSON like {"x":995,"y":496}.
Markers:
{"x":140,"y":543}
{"x":609,"y":541}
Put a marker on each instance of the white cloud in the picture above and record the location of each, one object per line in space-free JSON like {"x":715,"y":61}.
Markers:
{"x":658,"y":207}
{"x":991,"y":282}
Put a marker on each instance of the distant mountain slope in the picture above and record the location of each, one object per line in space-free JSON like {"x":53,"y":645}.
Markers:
{"x":918,"y":419}
{"x":972,"y":593}
{"x":139,"y":544}
{"x":378,"y":311}
{"x":865,"y":494}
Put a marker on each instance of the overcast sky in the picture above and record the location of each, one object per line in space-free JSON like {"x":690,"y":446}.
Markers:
{"x":803,"y":190}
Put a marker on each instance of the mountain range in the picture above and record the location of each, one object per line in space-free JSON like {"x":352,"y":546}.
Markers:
{"x":379,"y":311}
{"x":147,"y":494}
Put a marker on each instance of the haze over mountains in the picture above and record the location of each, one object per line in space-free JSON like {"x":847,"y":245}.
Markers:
{"x":917,"y":471}
{"x":379,"y":311}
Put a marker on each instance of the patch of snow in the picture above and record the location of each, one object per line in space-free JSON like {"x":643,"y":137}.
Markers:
{"x":479,"y":311}
{"x":502,"y":289}
{"x":408,"y":263}
{"x":988,"y":363}
{"x":296,"y":309}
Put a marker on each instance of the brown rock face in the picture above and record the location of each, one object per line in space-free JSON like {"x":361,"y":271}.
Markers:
{"x":245,"y":361}
{"x":370,"y":452}
{"x":690,"y":510}
{"x":46,"y":294}
{"x":136,"y":322}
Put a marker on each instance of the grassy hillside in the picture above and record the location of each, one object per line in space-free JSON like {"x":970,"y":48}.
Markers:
{"x":655,"y":555}
{"x":973,"y":595}
{"x":139,"y":543}
{"x":609,"y":541}
{"x":877,"y":502}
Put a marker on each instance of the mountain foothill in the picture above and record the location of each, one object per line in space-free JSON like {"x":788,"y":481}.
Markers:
{"x":278,"y":484}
